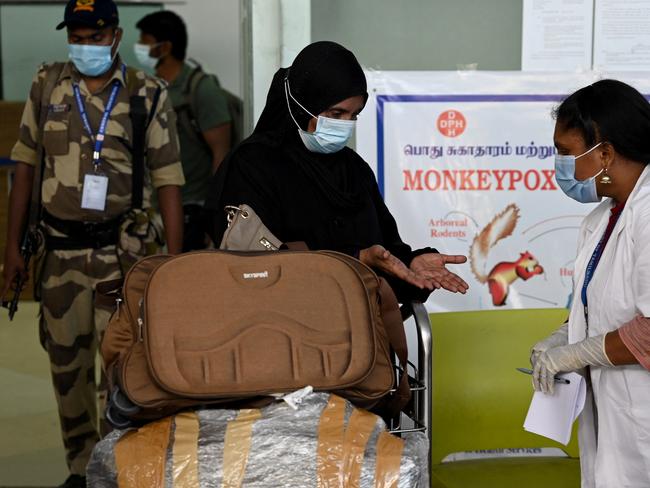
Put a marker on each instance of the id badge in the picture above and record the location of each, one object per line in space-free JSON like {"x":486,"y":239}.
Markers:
{"x":94,"y":193}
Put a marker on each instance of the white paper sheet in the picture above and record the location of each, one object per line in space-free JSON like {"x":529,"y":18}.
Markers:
{"x":552,"y":416}
{"x":622,"y":35}
{"x":556,"y":35}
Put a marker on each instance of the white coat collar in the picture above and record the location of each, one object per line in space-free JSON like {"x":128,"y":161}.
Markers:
{"x":641,"y":189}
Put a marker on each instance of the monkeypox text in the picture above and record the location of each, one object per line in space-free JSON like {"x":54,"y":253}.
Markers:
{"x":478,"y":180}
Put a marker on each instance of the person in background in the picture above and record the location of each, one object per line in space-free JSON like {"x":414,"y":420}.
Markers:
{"x":79,"y":113}
{"x":297,"y":174}
{"x":602,"y":134}
{"x":204,"y":122}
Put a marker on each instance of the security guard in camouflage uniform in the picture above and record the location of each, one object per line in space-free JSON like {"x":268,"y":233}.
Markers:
{"x":87,"y":206}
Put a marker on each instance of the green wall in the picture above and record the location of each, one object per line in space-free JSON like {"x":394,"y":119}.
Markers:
{"x":28,"y":37}
{"x":423,"y":34}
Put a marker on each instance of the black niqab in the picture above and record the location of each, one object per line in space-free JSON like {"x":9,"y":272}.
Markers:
{"x":323,"y":74}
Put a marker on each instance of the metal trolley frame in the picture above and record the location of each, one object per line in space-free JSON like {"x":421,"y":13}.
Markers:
{"x":417,"y":417}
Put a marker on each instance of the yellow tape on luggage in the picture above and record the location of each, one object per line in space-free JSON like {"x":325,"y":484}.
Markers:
{"x":389,"y":456}
{"x":330,"y":443}
{"x":140,"y":456}
{"x":360,"y":426}
{"x":185,"y":451}
{"x":237,"y":446}
{"x":341,"y":450}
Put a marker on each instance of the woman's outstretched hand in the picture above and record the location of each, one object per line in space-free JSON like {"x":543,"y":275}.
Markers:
{"x":380,"y":258}
{"x":431,"y":266}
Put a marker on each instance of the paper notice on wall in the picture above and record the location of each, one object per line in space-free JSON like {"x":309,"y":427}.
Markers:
{"x":622,"y":35}
{"x":556,"y":35}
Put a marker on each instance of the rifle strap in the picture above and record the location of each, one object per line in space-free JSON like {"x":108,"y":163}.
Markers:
{"x":138,"y":114}
{"x":140,"y":121}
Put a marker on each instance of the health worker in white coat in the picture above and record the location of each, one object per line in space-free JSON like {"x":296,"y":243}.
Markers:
{"x":602,"y":135}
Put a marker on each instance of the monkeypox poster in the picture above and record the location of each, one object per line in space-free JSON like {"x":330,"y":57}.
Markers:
{"x":465,"y":161}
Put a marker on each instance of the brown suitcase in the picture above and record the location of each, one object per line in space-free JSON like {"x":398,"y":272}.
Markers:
{"x":220,"y":326}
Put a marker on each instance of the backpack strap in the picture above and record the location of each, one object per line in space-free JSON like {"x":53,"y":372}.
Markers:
{"x":140,"y":121}
{"x":189,"y":89}
{"x":234,"y":105}
{"x":195,"y":79}
{"x":53,"y":72}
{"x":186,"y":110}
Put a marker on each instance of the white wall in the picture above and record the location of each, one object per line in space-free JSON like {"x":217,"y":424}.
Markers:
{"x":214,"y":31}
{"x":279,"y":29}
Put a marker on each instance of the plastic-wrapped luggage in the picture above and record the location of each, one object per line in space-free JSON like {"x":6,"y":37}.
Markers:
{"x":323,"y":442}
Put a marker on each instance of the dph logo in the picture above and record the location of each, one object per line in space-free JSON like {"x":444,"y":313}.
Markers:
{"x":451,"y":123}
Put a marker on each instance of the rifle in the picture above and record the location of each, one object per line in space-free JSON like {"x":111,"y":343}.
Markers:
{"x":28,"y":247}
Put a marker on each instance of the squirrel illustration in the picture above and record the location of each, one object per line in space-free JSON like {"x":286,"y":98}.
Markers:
{"x":505,"y":273}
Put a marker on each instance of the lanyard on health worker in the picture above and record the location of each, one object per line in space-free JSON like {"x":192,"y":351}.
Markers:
{"x":101,"y":131}
{"x":595,"y":259}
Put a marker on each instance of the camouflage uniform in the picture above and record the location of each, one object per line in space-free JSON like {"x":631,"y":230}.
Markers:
{"x":71,"y":324}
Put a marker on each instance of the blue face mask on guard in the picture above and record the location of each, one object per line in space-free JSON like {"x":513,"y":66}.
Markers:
{"x":583,"y":191}
{"x":330,"y":136}
{"x":91,"y":60}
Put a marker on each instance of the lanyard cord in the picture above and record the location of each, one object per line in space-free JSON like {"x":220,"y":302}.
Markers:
{"x":595,"y":259}
{"x":101,"y":132}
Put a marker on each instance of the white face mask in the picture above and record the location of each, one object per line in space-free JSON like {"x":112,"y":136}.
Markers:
{"x":330,"y":136}
{"x":142,"y":51}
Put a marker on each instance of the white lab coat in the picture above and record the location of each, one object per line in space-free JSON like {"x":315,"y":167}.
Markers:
{"x":615,"y":453}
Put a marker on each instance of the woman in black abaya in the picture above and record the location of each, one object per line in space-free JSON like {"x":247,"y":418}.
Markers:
{"x":306,"y":185}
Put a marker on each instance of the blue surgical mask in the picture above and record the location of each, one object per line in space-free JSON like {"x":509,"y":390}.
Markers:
{"x":583,"y":191}
{"x":91,"y":60}
{"x":142,"y":55}
{"x":330,"y":136}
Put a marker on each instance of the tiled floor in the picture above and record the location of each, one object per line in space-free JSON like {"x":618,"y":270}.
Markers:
{"x":31,"y":452}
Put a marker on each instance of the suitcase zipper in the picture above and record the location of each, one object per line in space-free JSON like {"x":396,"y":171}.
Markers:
{"x":140,"y":322}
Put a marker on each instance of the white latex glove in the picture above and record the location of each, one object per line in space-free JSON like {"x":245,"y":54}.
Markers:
{"x":572,"y":357}
{"x":558,"y":338}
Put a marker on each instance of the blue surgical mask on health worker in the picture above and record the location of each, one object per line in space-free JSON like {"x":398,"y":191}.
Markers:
{"x":330,"y":136}
{"x":91,"y":59}
{"x":583,"y":191}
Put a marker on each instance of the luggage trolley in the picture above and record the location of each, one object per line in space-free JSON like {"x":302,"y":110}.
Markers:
{"x":417,"y":417}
